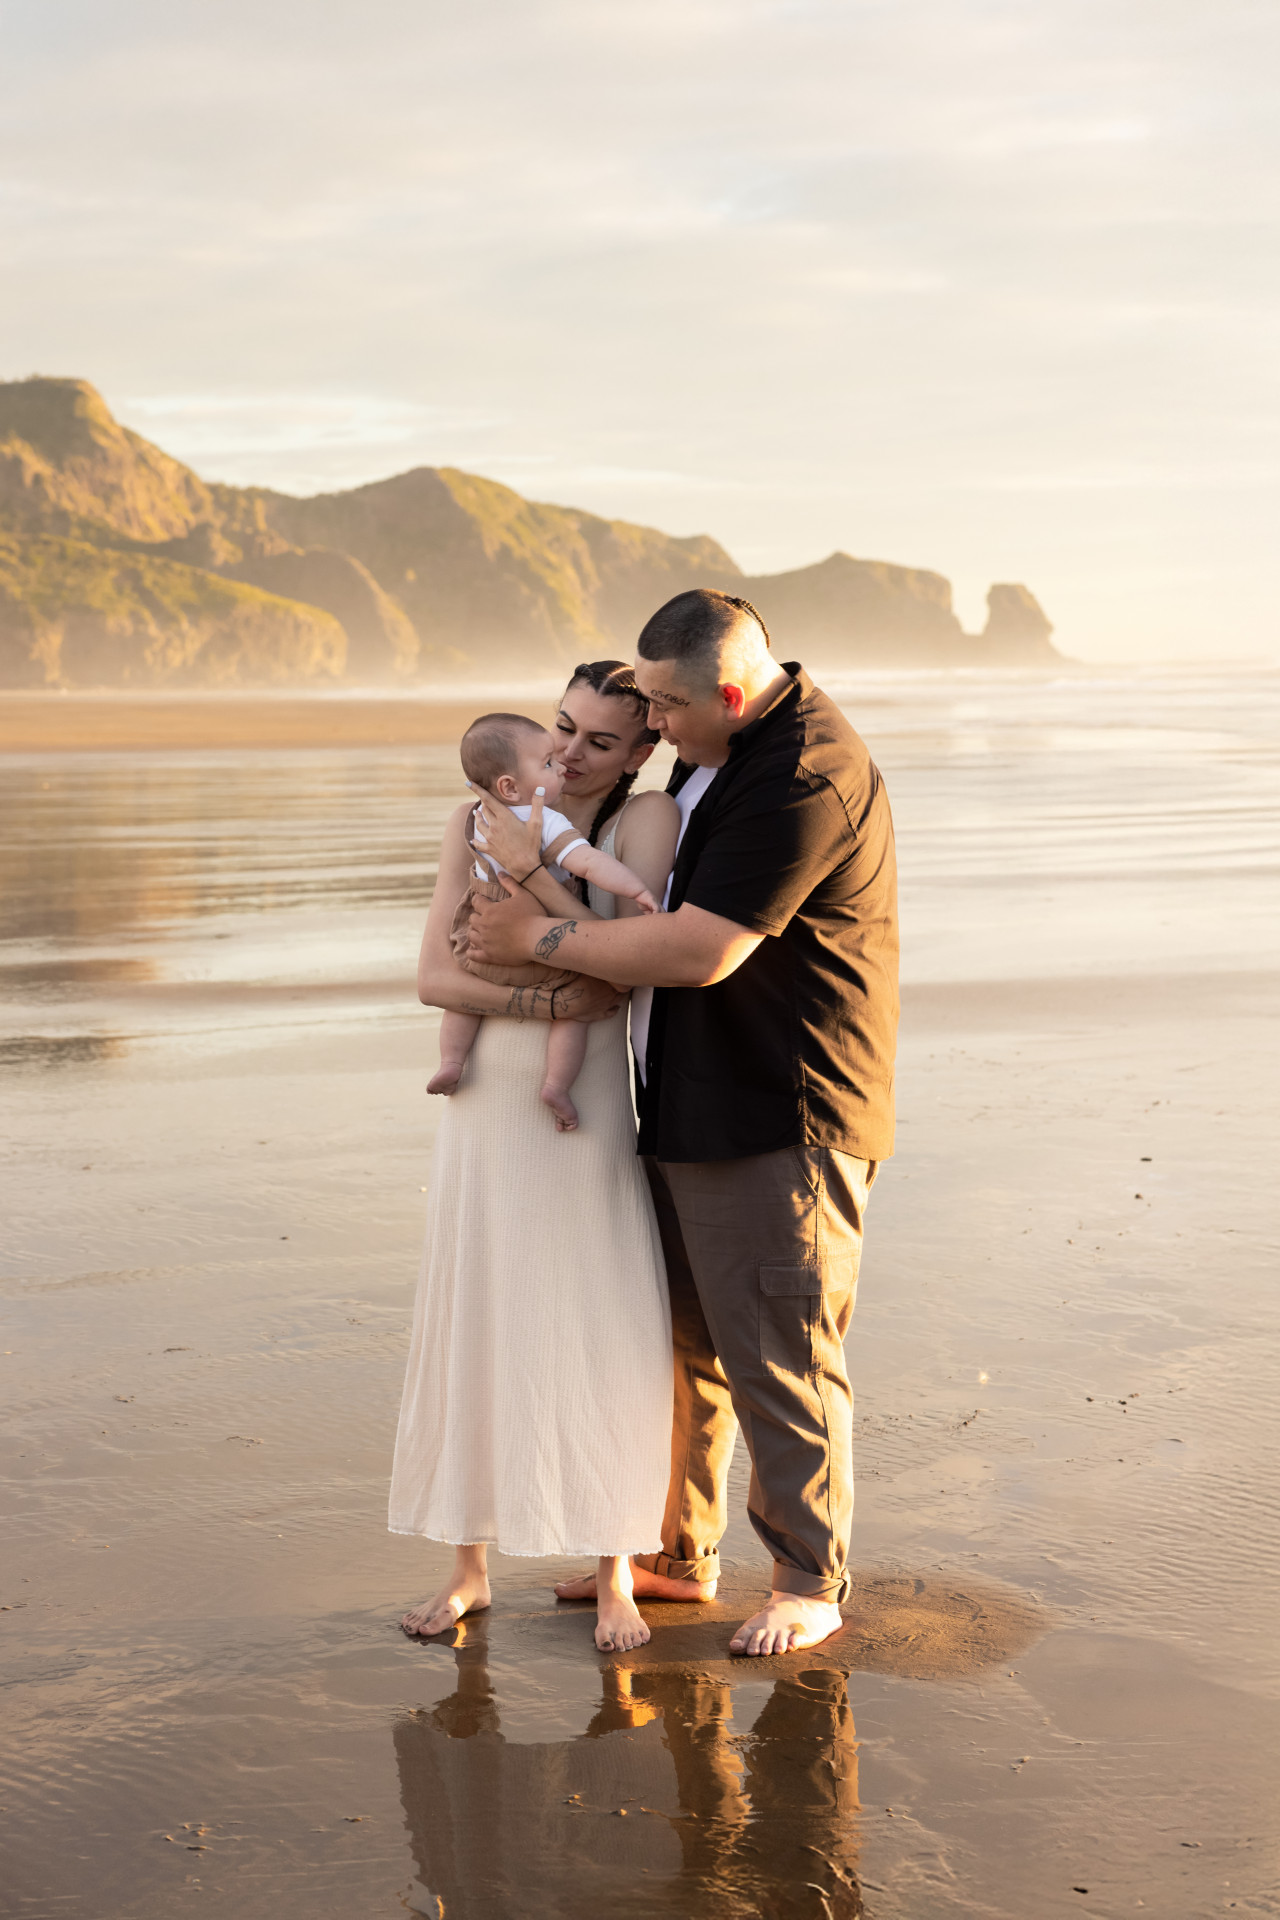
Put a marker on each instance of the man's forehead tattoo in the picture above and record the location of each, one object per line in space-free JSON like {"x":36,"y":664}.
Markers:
{"x":672,"y":699}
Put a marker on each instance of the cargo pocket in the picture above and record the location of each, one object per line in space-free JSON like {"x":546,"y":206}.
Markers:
{"x":791,"y":1311}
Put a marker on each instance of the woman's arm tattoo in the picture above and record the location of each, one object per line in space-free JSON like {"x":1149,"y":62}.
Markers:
{"x":527,"y":1003}
{"x":552,"y":938}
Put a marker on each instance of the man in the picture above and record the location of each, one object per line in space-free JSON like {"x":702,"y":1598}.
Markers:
{"x":767,"y":1099}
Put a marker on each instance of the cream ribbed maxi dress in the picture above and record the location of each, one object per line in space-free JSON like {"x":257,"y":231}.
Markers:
{"x":536,"y":1414}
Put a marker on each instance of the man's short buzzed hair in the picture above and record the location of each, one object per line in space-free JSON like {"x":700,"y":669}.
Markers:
{"x":692,"y":630}
{"x":491,"y":745}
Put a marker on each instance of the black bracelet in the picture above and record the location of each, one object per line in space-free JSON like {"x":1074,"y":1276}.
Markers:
{"x":554,"y":992}
{"x":529,"y":875}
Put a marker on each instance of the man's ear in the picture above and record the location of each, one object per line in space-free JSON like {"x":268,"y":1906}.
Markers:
{"x":734,"y":699}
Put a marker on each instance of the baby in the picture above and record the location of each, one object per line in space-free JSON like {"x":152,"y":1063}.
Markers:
{"x":513,"y":759}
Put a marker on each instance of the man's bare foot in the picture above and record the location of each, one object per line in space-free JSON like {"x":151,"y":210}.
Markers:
{"x":447,"y":1078}
{"x":786,"y":1623}
{"x":619,"y":1627}
{"x":563,"y":1108}
{"x":470,"y":1594}
{"x":645,"y":1586}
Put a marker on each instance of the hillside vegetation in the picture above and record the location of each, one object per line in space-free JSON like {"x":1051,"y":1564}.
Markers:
{"x":76,"y":615}
{"x":119,"y":566}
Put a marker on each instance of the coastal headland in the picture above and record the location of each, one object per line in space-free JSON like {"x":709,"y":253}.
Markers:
{"x":121,"y":567}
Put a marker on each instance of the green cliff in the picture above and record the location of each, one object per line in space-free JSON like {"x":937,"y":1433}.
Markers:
{"x":119,"y":566}
{"x":76,"y":615}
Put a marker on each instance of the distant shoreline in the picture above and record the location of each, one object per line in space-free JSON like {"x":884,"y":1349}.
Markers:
{"x":119,"y":720}
{"x":112,"y":722}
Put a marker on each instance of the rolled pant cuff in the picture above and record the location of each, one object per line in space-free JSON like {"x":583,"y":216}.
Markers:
{"x":699,"y":1571}
{"x":810,"y":1586}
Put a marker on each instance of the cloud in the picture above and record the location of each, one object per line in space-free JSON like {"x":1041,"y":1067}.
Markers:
{"x":871,"y":275}
{"x":1038,"y":135}
{"x":213,"y":424}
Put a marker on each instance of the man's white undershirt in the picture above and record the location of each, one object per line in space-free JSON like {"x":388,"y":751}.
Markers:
{"x":642,"y":997}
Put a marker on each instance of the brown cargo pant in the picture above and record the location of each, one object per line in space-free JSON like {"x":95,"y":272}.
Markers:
{"x":762,"y":1262}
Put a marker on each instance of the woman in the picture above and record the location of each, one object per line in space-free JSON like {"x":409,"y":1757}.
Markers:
{"x":537,"y":1402}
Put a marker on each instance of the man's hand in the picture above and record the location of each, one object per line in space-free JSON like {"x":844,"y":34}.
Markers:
{"x":514,"y":844}
{"x":502,"y":931}
{"x":688,"y":948}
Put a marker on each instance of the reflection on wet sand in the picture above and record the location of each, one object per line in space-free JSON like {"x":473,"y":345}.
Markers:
{"x":113,"y":852}
{"x":51,"y":979}
{"x":666,"y":1805}
{"x":39,"y":1050}
{"x":1063,"y":1620}
{"x":155,"y":898}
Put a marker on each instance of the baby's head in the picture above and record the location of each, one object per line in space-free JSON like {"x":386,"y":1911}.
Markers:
{"x":512,"y":758}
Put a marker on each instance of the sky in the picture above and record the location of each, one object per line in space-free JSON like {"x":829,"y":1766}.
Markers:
{"x":987,"y":286}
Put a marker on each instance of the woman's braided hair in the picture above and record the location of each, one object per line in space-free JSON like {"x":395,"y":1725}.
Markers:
{"x":617,"y":681}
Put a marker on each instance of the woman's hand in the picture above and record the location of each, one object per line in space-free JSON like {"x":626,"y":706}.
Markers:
{"x":586,"y":999}
{"x":443,"y":983}
{"x":499,"y":932}
{"x":514,"y":844}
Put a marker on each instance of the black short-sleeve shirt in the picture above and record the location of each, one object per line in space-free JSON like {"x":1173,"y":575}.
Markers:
{"x":794,"y":840}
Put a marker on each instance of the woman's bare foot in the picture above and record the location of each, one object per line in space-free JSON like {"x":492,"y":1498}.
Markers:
{"x":786,"y":1623}
{"x":563,"y":1108}
{"x":645,"y":1586}
{"x":446,"y":1078}
{"x":466,"y":1592}
{"x":619,"y":1627}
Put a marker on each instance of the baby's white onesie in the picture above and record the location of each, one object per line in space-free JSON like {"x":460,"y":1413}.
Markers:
{"x":557,"y":833}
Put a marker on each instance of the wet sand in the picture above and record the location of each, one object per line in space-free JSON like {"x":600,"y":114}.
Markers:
{"x":140,"y":722}
{"x":1059,"y":1670}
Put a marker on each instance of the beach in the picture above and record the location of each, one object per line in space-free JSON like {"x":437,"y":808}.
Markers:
{"x":1058,"y":1691}
{"x":120,"y":722}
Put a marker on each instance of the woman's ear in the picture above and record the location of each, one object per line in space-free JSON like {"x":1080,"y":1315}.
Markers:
{"x":638,"y":755}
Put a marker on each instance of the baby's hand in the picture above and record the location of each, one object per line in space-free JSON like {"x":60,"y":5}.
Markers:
{"x":646,"y":902}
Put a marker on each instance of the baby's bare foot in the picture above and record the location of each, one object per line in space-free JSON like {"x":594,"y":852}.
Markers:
{"x":563,"y":1108}
{"x":618,"y":1623}
{"x":447,"y":1078}
{"x":468,"y":1595}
